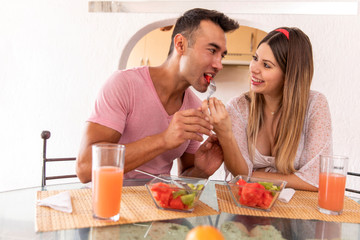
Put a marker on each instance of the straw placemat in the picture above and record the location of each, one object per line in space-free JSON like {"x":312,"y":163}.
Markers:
{"x":303,"y":205}
{"x":136,"y":206}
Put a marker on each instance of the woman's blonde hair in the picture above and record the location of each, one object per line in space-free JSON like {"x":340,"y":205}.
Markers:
{"x":294,"y":56}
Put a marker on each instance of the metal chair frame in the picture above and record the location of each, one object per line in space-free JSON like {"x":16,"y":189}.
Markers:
{"x":45,"y":135}
{"x":353,"y":190}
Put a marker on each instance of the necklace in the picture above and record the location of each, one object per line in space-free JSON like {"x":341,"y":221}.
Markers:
{"x":273,"y":113}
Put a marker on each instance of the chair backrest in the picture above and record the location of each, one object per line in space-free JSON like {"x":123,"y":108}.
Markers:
{"x":349,"y":189}
{"x":45,"y":135}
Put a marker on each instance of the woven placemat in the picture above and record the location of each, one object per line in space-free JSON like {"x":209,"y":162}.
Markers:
{"x":136,"y":206}
{"x":303,"y":205}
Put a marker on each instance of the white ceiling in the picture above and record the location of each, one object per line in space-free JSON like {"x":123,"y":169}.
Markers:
{"x":229,"y":7}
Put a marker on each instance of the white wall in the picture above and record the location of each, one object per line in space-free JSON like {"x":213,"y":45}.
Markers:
{"x":54,"y":56}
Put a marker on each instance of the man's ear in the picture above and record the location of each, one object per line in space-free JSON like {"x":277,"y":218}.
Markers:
{"x":180,"y":43}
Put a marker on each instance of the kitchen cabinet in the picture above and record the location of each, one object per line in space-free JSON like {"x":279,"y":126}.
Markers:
{"x":241,"y":45}
{"x":152,"y":49}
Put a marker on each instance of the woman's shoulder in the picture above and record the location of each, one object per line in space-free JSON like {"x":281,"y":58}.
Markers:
{"x":317,"y":104}
{"x":242,"y":100}
{"x":239,"y":105}
{"x":316,"y":97}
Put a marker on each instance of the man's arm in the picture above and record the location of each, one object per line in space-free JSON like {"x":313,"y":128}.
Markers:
{"x":94,"y":133}
{"x":136,"y":153}
{"x":185,"y":125}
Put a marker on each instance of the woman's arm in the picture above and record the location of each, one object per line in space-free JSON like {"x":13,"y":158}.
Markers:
{"x":292,"y":180}
{"x":219,"y":118}
{"x":317,"y":139}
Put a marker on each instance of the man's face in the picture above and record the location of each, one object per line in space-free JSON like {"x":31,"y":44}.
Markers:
{"x":203,"y":57}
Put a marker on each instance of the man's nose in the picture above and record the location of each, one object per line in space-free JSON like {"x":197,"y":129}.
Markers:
{"x":217,"y":64}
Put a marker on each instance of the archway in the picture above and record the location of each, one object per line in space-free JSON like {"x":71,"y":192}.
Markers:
{"x":138,"y":35}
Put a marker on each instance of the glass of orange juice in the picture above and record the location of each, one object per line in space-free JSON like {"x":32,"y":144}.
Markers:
{"x":332,"y":180}
{"x":107,"y":180}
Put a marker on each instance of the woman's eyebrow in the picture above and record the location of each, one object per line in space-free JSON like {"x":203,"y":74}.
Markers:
{"x":268,"y":61}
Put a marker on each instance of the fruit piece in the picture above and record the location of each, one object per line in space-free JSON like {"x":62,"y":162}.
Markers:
{"x":191,"y":186}
{"x":188,"y":199}
{"x":179,"y":193}
{"x":160,"y":187}
{"x":240,"y":182}
{"x":208,"y":78}
{"x":251,"y":194}
{"x":204,"y":232}
{"x":165,"y":198}
{"x":199,"y":187}
{"x":176,"y":203}
{"x":267,"y":198}
{"x":267,"y":185}
{"x":162,"y":192}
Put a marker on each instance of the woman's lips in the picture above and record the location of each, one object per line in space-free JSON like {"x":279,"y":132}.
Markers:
{"x":255,"y":81}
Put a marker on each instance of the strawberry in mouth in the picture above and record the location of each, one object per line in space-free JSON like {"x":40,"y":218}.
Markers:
{"x":208,"y":77}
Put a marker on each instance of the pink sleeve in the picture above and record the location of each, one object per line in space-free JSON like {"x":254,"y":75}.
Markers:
{"x":317,"y":140}
{"x":113,"y":103}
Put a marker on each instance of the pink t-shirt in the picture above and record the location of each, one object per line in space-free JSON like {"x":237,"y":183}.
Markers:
{"x":316,"y":137}
{"x":129,"y":104}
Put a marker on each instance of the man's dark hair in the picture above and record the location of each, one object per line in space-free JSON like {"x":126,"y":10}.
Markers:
{"x":189,"y":22}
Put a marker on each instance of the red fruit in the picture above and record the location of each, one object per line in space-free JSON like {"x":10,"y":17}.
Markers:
{"x":252,"y":194}
{"x":160,"y":187}
{"x":267,"y":199}
{"x":176,"y":203}
{"x":240,"y":182}
{"x":208,"y":78}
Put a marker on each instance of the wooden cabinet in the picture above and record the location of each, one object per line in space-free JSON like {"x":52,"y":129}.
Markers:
{"x":242,"y":44}
{"x":151,"y":50}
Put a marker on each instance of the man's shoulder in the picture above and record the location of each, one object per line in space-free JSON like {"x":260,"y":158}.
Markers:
{"x":137,"y":74}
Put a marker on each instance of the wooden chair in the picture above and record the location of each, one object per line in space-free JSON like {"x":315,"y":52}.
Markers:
{"x":45,"y":135}
{"x":353,"y":190}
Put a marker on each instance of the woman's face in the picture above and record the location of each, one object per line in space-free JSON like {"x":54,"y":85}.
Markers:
{"x":266,"y":76}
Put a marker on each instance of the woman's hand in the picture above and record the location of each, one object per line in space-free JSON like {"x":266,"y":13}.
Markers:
{"x":218,"y":116}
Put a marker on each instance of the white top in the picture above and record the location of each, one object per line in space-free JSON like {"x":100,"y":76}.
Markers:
{"x":316,"y":137}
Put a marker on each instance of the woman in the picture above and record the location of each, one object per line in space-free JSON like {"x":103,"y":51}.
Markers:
{"x":280,"y":127}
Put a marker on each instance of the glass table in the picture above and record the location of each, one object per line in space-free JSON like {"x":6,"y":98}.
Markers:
{"x":17,"y":221}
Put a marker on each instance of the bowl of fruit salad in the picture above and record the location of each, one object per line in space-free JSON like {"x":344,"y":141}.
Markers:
{"x":255,"y":193}
{"x":176,"y":193}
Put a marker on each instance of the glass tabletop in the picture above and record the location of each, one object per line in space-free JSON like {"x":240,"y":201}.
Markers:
{"x":17,"y":221}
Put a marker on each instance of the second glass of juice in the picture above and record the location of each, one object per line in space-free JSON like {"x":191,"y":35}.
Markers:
{"x":107,"y":180}
{"x":332,"y":181}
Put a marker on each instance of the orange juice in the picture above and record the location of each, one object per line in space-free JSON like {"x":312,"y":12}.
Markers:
{"x":331,"y":191}
{"x":107,"y":186}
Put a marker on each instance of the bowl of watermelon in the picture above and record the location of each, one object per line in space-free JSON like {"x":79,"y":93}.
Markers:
{"x":176,"y":197}
{"x":255,"y":193}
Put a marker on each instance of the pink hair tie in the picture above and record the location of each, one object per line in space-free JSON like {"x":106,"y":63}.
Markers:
{"x":285,"y":32}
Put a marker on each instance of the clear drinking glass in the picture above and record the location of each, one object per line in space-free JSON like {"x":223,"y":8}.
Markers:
{"x":332,"y":180}
{"x":107,"y":180}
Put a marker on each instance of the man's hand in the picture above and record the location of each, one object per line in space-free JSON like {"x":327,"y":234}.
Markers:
{"x":219,"y":117}
{"x":186,"y":125}
{"x":209,"y":156}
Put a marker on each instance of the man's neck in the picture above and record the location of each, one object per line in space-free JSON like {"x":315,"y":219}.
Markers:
{"x":169,"y":87}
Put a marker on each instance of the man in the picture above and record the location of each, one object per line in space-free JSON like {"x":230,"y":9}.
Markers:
{"x":152,"y":111}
